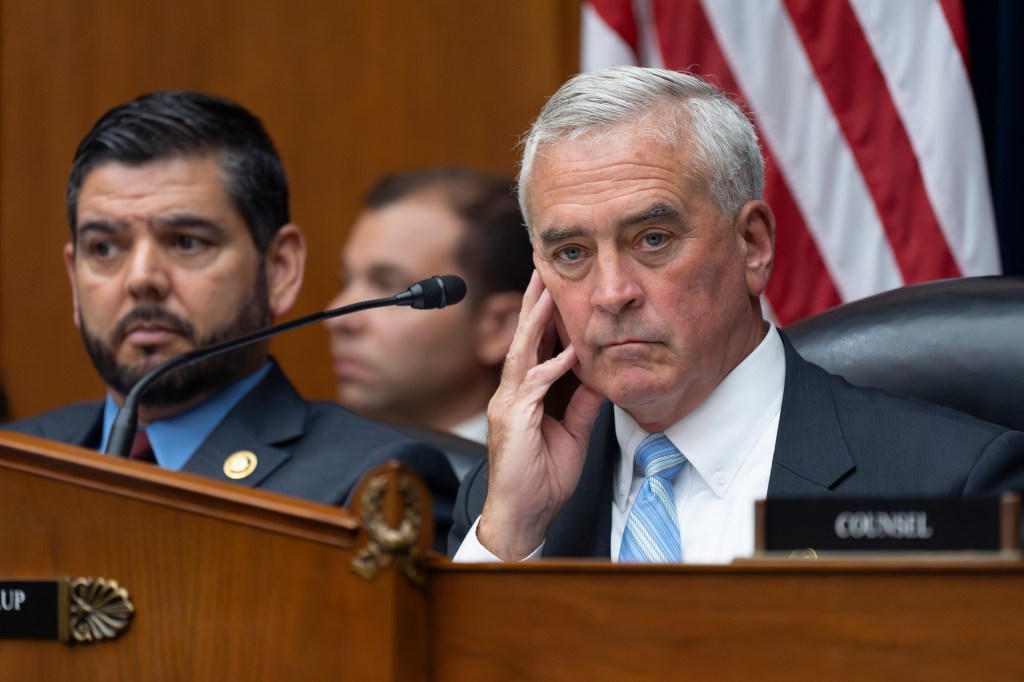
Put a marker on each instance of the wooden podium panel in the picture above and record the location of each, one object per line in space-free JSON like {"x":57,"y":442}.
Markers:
{"x":785,"y":620}
{"x":236,"y":584}
{"x":227,"y":583}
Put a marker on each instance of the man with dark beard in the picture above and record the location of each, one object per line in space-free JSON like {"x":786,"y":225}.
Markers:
{"x":181,"y":239}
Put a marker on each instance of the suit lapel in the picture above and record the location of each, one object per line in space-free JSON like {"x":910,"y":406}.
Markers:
{"x":80,"y":425}
{"x":583,"y":528}
{"x":811,"y":452}
{"x":271,"y":414}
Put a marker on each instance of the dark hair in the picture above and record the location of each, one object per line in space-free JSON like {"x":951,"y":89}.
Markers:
{"x":495,"y":251}
{"x":171,"y":124}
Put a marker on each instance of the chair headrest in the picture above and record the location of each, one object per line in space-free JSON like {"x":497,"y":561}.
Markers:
{"x":958,"y":343}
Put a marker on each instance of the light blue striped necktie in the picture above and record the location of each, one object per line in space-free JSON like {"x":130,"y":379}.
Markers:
{"x":652,"y":529}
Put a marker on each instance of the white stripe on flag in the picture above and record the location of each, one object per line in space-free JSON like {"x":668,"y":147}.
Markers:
{"x":600,"y":45}
{"x":650,"y":45}
{"x":772,"y":69}
{"x":919,"y":58}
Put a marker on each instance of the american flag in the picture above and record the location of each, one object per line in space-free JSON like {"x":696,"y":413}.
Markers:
{"x":876,"y":167}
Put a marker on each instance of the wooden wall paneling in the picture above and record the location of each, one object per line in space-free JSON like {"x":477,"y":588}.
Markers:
{"x":348,"y":90}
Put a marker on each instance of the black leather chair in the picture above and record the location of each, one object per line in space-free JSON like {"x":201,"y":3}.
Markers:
{"x":957,"y":342}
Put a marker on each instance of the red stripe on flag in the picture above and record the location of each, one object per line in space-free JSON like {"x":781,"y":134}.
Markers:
{"x":618,"y":14}
{"x":688,"y":43}
{"x":800,"y":284}
{"x":954,"y":11}
{"x":856,"y":89}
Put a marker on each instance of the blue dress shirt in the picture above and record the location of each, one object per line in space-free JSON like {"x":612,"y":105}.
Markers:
{"x":176,"y":439}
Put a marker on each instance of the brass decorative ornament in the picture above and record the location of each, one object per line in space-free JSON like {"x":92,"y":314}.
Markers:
{"x":240,"y":464}
{"x":98,"y":609}
{"x":807,"y":553}
{"x":387,"y":544}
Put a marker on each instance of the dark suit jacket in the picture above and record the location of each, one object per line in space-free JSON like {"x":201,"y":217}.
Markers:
{"x":833,"y":439}
{"x":313,"y":450}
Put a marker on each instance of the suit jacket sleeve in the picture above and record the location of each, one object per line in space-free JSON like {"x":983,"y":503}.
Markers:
{"x":468,"y":505}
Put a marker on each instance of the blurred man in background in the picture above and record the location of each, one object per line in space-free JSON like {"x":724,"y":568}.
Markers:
{"x":434,"y":371}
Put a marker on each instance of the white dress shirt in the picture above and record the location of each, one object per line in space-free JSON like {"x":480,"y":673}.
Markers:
{"x":474,"y":429}
{"x":728,"y":442}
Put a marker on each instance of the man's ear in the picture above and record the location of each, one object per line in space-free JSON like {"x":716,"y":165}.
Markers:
{"x":495,"y":326}
{"x":69,"y":265}
{"x":755,"y":227}
{"x":285,"y":266}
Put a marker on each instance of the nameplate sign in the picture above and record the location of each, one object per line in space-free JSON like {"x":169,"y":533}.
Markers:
{"x":869,"y":525}
{"x":31,"y":609}
{"x":73,"y":610}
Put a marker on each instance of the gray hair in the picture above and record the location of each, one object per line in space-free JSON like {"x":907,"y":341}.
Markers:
{"x":670,"y":106}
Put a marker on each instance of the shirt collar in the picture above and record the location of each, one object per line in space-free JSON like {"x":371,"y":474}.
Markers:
{"x":177,"y":438}
{"x":717,"y":436}
{"x":474,"y":428}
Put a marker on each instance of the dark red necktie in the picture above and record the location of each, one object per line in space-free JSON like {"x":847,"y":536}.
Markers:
{"x":142,"y":451}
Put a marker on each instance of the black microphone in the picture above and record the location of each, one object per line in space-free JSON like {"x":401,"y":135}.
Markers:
{"x":434,"y":292}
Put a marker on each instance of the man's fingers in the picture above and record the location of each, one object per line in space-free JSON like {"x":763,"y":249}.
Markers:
{"x":538,"y":380}
{"x":534,"y":320}
{"x":532,"y":292}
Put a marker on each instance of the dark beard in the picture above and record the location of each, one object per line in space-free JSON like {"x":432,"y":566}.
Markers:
{"x":184,"y":383}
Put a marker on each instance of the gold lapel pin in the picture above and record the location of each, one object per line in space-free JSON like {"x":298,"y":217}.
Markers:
{"x":240,"y":464}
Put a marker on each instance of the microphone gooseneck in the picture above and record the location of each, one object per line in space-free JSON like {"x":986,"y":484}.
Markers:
{"x":434,"y":292}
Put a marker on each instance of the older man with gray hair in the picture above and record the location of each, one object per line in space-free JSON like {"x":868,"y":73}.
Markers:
{"x":643,"y":193}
